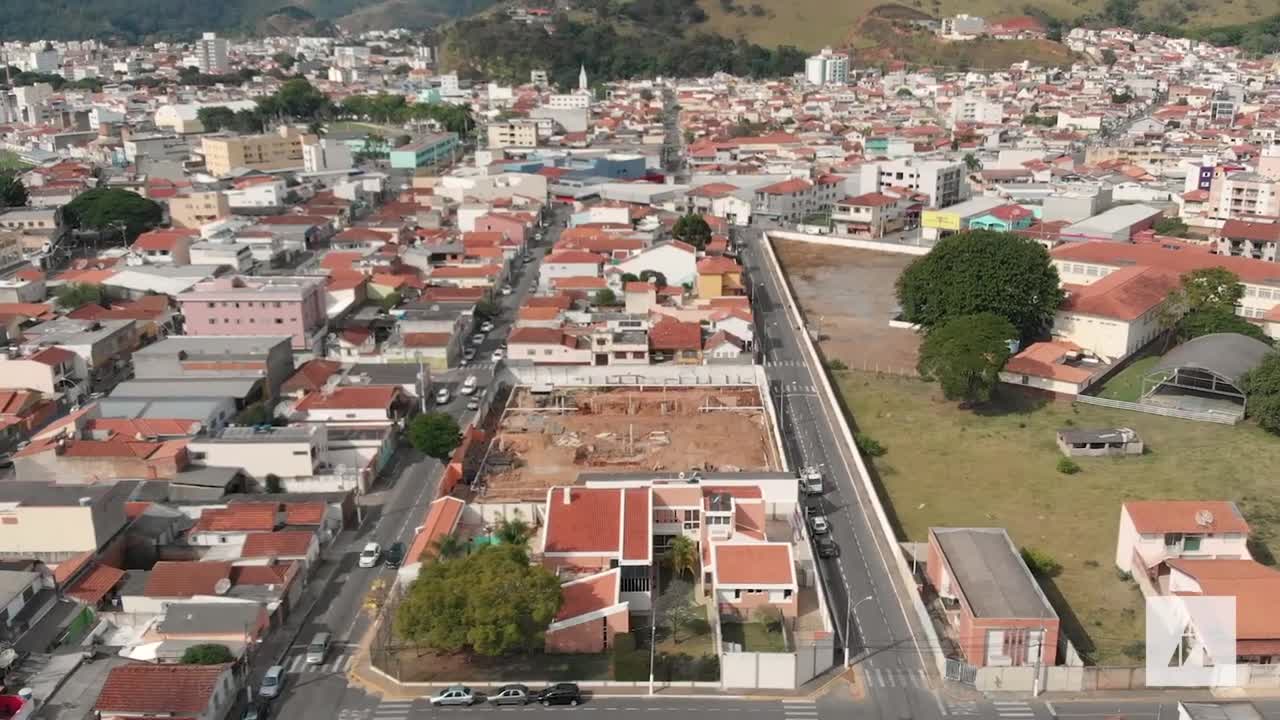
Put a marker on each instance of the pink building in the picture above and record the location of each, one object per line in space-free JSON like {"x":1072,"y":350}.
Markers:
{"x":264,"y":306}
{"x":514,"y":229}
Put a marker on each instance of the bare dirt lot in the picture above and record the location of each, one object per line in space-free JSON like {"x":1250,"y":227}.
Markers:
{"x":546,"y":440}
{"x":848,"y":295}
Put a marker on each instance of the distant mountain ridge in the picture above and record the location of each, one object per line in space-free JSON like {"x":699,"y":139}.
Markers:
{"x":135,"y":20}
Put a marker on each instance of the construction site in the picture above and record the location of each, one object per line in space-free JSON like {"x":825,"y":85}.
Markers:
{"x":547,"y":436}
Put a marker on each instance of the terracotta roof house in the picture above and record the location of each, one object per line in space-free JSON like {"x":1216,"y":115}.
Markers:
{"x":1155,"y":531}
{"x":194,"y":692}
{"x":591,"y":615}
{"x":676,"y":341}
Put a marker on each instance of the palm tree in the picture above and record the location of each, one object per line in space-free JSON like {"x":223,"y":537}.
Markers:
{"x":513,"y":531}
{"x":449,"y":547}
{"x":682,"y":555}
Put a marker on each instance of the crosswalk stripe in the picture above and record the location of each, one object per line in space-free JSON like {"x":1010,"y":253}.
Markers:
{"x":296,"y":663}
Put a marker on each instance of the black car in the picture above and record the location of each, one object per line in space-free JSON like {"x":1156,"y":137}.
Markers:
{"x":561,"y":694}
{"x":827,"y":548}
{"x":393,"y":555}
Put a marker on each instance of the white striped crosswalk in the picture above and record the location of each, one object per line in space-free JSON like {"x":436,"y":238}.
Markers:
{"x":1014,"y":710}
{"x":894,"y":677}
{"x":336,"y":663}
{"x":392,"y":710}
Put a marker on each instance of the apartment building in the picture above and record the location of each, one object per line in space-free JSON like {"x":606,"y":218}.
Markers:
{"x":827,"y":68}
{"x":425,"y":152}
{"x":794,"y":200}
{"x":941,"y":180}
{"x":871,"y":215}
{"x":211,"y":54}
{"x":258,"y":306}
{"x":195,"y":210}
{"x":569,"y":101}
{"x":518,"y":133}
{"x":280,"y":150}
{"x":970,"y":110}
{"x":1239,"y":238}
{"x":1243,"y":195}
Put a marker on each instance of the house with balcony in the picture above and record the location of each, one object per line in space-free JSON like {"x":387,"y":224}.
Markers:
{"x":996,"y":611}
{"x":1238,"y":238}
{"x":870,"y":215}
{"x":1153,"y":532}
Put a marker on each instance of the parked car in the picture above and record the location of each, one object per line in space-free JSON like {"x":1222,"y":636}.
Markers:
{"x":811,"y":480}
{"x":486,"y":326}
{"x":507,"y":289}
{"x":561,"y":694}
{"x":511,"y":695}
{"x":455,"y":695}
{"x":827,"y":548}
{"x":477,"y":338}
{"x":256,"y":711}
{"x":272,"y":682}
{"x":473,"y":404}
{"x":394,"y":555}
{"x":318,"y":648}
{"x":442,"y":396}
{"x":498,"y":354}
{"x":469,"y":385}
{"x":818,"y":524}
{"x":468,"y":354}
{"x":369,"y":556}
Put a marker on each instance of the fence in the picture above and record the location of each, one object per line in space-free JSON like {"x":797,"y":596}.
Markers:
{"x":674,"y":375}
{"x":1065,"y":678}
{"x":1213,"y":416}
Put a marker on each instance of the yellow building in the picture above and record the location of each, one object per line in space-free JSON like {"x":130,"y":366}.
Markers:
{"x":280,"y":150}
{"x":719,"y":276}
{"x":197,"y":209}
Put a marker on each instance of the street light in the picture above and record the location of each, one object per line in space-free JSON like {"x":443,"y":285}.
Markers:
{"x":847,"y":618}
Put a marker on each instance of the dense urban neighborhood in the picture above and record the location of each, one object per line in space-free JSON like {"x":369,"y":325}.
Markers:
{"x":337,"y":382}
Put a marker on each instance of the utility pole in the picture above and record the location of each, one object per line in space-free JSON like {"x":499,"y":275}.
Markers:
{"x":853,"y":608}
{"x":653,"y":626}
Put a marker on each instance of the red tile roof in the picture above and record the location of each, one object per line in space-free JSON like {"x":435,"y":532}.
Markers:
{"x":535,"y":336}
{"x":754,"y":564}
{"x":272,"y":574}
{"x":589,"y":594}
{"x":637,"y":540}
{"x":286,"y":543}
{"x":349,"y":397}
{"x":717,"y":265}
{"x":159,"y":690}
{"x":1180,"y":516}
{"x":1046,"y":360}
{"x":311,"y":375}
{"x":872,"y":199}
{"x":1179,"y":257}
{"x":442,"y":518}
{"x":1241,"y":230}
{"x":590,"y":521}
{"x":671,"y":334}
{"x":241,"y":517}
{"x":425,"y":339}
{"x":786,"y":187}
{"x":1254,"y":586}
{"x":95,"y":584}
{"x":53,"y":356}
{"x":185,"y":579}
{"x":1124,"y":294}
{"x":163,"y":239}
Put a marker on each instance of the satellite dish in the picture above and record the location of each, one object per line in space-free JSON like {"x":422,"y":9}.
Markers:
{"x":1204,"y":518}
{"x":222,"y":587}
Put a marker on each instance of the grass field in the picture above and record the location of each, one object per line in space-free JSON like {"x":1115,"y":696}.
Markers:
{"x":1127,"y":384}
{"x":754,"y":637}
{"x":10,"y":161}
{"x":952,"y":467}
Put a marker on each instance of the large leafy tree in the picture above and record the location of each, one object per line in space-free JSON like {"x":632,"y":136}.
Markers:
{"x":12,"y":192}
{"x":965,"y":354}
{"x":692,"y":229}
{"x":108,"y":208}
{"x":1203,"y":300}
{"x":435,"y":434}
{"x":1217,"y":320}
{"x":981,"y":271}
{"x":207,"y":654}
{"x":1262,"y":390}
{"x":492,"y":601}
{"x":682,"y":555}
{"x":74,"y":295}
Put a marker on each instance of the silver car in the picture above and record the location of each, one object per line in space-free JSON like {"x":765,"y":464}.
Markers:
{"x":456,"y":695}
{"x":272,"y":682}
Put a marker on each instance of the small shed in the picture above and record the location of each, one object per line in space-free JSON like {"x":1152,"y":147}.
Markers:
{"x":1099,"y":443}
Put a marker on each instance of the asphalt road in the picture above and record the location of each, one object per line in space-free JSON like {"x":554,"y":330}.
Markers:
{"x":882,"y":633}
{"x":319,"y":691}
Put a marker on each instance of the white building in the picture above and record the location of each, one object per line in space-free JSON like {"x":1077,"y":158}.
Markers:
{"x":1152,"y":531}
{"x":325,"y":155}
{"x":45,"y":60}
{"x":962,"y":27}
{"x":969,"y":110}
{"x":569,"y":101}
{"x":941,"y":180}
{"x":827,"y":68}
{"x":211,"y":54}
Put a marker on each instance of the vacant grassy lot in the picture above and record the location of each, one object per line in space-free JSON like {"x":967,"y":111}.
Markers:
{"x":947,"y":466}
{"x":1127,"y":384}
{"x":754,"y":637}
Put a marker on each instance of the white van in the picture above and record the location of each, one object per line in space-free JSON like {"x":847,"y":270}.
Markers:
{"x":469,"y":385}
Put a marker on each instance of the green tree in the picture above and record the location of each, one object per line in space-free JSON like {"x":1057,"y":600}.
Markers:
{"x":1108,"y":57}
{"x":606,"y":297}
{"x":492,"y":601}
{"x":284,"y":60}
{"x":982,"y":271}
{"x":657,"y":278}
{"x":103,"y":209}
{"x":1171,"y":226}
{"x":682,"y":555}
{"x":513,"y":531}
{"x":972,"y":162}
{"x":216,"y":118}
{"x":448,"y":547}
{"x":74,"y":295}
{"x":1261,"y":387}
{"x":207,"y":654}
{"x":965,"y":354}
{"x":435,"y":434}
{"x":677,"y":606}
{"x":12,"y":192}
{"x":1040,"y":563}
{"x":390,"y":300}
{"x":1215,"y":287}
{"x":692,"y":229}
{"x":1207,"y":321}
{"x":487,"y":310}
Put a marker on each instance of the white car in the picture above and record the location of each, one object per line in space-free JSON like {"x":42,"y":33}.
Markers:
{"x":369,"y":556}
{"x":477,"y":338}
{"x":486,"y":326}
{"x":498,"y":354}
{"x":469,"y":386}
{"x":442,"y":396}
{"x":507,"y":290}
{"x":456,"y":695}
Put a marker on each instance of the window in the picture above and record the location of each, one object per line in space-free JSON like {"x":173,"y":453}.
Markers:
{"x":1172,"y":539}
{"x":279,"y":321}
{"x":1191,"y":543}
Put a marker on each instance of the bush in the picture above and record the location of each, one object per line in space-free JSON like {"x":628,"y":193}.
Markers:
{"x":837,"y":365}
{"x":1041,"y":563}
{"x":868,"y":445}
{"x":207,"y":654}
{"x":1067,"y":466}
